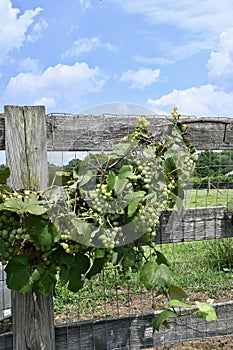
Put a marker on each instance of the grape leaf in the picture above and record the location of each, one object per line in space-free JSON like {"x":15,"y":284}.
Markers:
{"x":126,"y":172}
{"x":161,"y":259}
{"x":120,"y":184}
{"x":31,"y":205}
{"x":153,"y":276}
{"x":42,"y":230}
{"x":206,"y":311}
{"x":79,"y":268}
{"x":66,"y":261}
{"x":99,"y":252}
{"x":117,"y":255}
{"x":121,"y":149}
{"x":162,"y":319}
{"x":84,"y":179}
{"x":47,"y":279}
{"x":13,"y":204}
{"x":34,"y":207}
{"x":79,"y":230}
{"x":129,"y":257}
{"x":169,"y":165}
{"x":4,"y":174}
{"x":96,"y":267}
{"x":175,"y":292}
{"x":18,"y":272}
{"x":134,"y":198}
{"x":178,"y":303}
{"x":111,"y":180}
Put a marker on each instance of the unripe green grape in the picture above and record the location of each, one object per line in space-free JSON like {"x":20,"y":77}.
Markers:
{"x":27,"y":236}
{"x":20,"y":230}
{"x":4,"y":218}
{"x":4,"y":233}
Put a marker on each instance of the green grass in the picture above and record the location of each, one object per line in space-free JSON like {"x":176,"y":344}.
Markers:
{"x":197,"y":198}
{"x":204,"y":267}
{"x":201,"y":266}
{"x":102,"y":289}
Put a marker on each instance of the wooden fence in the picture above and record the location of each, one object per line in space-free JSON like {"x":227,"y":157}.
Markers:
{"x":26,"y":134}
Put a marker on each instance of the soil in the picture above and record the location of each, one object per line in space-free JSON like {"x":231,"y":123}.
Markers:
{"x":134,"y":304}
{"x":225,"y":343}
{"x":144,"y":303}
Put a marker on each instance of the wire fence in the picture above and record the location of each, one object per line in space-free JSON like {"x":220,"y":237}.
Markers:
{"x":114,"y":311}
{"x":202,"y":267}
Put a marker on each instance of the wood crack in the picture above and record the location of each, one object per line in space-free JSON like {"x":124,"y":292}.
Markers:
{"x":26,"y":149}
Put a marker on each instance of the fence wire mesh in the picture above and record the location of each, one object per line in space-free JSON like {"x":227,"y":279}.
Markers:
{"x":114,"y":311}
{"x":202,"y":267}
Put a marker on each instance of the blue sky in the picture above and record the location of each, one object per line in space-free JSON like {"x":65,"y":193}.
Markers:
{"x":74,"y":54}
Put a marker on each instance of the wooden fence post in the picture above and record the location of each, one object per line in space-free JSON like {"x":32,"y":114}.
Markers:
{"x":26,"y":156}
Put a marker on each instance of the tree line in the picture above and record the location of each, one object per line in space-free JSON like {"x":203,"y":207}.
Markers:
{"x":214,"y":168}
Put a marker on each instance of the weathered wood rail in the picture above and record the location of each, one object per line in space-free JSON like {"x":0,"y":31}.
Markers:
{"x":97,"y":133}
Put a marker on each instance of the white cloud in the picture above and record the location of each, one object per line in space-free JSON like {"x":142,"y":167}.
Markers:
{"x":28,"y":65}
{"x":61,"y":86}
{"x":85,"y":45}
{"x":49,"y":102}
{"x":220,"y":64}
{"x":200,"y":22}
{"x":142,"y":78}
{"x":36,"y":31}
{"x":212,"y":99}
{"x":14,"y":26}
{"x":197,"y":16}
{"x":206,"y":100}
{"x":85,"y":4}
{"x":153,"y":60}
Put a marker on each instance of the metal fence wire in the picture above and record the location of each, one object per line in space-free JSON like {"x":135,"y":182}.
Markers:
{"x":114,"y":311}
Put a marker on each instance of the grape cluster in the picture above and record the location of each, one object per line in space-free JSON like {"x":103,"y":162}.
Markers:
{"x":141,"y":128}
{"x":146,"y":173}
{"x":11,"y":235}
{"x":69,"y":246}
{"x":117,"y":200}
{"x":16,"y":235}
{"x":111,"y":237}
{"x":100,"y":199}
{"x":107,"y":210}
{"x":189,"y":163}
{"x":147,"y":221}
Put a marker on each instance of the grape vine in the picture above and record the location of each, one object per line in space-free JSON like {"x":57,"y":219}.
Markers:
{"x":107,"y":210}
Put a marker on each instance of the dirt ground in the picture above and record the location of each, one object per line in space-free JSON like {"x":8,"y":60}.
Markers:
{"x":225,"y":343}
{"x":143,"y":303}
{"x":135,"y":304}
